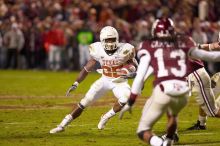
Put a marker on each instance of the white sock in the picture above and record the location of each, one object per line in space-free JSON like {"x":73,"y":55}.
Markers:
{"x":109,"y":114}
{"x":68,"y":118}
{"x":156,"y":141}
{"x":202,"y":120}
{"x":167,"y":141}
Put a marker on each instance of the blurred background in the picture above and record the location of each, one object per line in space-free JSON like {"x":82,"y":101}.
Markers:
{"x":54,"y":34}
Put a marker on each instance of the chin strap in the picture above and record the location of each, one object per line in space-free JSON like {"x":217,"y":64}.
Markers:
{"x":110,"y":52}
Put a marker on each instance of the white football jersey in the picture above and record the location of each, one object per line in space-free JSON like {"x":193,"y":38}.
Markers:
{"x":111,"y":64}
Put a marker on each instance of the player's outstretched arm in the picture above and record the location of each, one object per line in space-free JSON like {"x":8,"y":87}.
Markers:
{"x":211,"y":56}
{"x":86,"y":69}
{"x":82,"y":75}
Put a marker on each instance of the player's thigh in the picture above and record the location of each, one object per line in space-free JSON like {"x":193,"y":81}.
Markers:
{"x":97,"y":90}
{"x":177,"y":104}
{"x":200,"y":77}
{"x":203,"y":93}
{"x":121,"y":91}
{"x":154,"y":108}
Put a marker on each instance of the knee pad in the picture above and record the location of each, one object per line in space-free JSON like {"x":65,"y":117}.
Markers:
{"x":87,"y":100}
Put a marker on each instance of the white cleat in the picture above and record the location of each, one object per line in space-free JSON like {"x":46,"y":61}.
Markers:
{"x":57,"y":130}
{"x":102,"y":123}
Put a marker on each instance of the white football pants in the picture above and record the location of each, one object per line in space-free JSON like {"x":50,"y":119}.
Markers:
{"x":101,"y":86}
{"x":201,"y":89}
{"x":158,"y":104}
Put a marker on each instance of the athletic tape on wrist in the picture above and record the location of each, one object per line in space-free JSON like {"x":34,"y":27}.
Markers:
{"x":86,"y":69}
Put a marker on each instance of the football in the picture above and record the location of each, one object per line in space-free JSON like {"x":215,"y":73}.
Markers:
{"x":128,"y":68}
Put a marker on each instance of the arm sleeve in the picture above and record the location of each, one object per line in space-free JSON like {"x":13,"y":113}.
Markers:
{"x":141,"y":73}
{"x":149,"y":72}
{"x":210,"y":56}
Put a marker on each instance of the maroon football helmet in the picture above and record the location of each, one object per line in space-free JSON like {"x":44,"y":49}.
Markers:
{"x":163,"y":28}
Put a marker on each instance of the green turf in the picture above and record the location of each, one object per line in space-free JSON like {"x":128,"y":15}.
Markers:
{"x":33,"y":102}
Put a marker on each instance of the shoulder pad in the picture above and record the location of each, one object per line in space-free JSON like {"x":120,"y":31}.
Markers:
{"x":126,"y":52}
{"x":94,"y":49}
{"x":127,"y":49}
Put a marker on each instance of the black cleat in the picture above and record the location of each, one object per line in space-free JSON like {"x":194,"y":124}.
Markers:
{"x":197,"y":126}
{"x":175,"y":137}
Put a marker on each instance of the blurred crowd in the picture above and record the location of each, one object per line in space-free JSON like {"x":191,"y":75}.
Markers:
{"x":54,"y":34}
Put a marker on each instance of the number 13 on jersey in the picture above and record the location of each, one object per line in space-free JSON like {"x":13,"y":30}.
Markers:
{"x":178,"y":70}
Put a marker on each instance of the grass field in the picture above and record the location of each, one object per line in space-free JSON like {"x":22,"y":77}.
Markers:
{"x":33,"y":102}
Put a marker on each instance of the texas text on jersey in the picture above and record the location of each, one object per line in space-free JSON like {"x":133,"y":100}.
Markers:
{"x":112,"y":64}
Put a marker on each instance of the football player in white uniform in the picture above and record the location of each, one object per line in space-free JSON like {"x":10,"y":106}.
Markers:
{"x":112,"y":56}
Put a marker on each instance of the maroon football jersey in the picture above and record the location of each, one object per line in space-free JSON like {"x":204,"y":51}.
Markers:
{"x":168,"y":58}
{"x":193,"y":65}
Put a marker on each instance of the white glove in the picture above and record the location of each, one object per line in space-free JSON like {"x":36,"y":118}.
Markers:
{"x":73,"y":87}
{"x":124,"y":109}
{"x":129,"y":75}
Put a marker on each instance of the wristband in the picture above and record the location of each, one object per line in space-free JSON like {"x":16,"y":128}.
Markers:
{"x":86,"y":69}
{"x":210,"y":47}
{"x":75,"y":83}
{"x":131,"y":102}
{"x":132,"y":99}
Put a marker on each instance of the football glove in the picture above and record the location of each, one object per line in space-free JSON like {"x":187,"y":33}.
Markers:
{"x":123,"y":110}
{"x":73,"y":87}
{"x":129,"y":75}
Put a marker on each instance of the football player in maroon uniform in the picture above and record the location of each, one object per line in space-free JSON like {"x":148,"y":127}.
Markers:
{"x":168,"y":54}
{"x":201,"y":87}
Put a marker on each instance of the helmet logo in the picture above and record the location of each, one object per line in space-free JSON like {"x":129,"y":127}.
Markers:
{"x":160,"y":26}
{"x":125,"y":52}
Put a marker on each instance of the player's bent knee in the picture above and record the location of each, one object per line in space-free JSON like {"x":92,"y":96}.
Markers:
{"x":122,"y":100}
{"x":86,"y":101}
{"x":122,"y":104}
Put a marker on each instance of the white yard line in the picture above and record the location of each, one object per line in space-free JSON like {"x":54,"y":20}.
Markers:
{"x":18,"y":123}
{"x":200,"y":144}
{"x":197,"y":133}
{"x":178,"y":122}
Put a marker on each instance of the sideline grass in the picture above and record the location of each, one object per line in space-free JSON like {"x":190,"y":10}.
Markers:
{"x":33,"y":102}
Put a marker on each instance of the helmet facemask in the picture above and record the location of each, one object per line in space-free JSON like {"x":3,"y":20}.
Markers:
{"x":110,"y":44}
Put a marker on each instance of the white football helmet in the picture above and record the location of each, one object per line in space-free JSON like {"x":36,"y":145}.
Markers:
{"x":109,"y":32}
